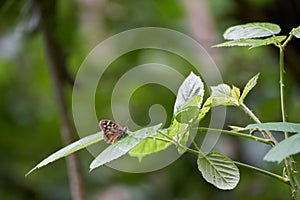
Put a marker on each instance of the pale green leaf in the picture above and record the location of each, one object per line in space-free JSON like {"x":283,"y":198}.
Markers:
{"x":205,"y":108}
{"x":267,"y":41}
{"x":177,"y":130}
{"x":251,"y":30}
{"x":238,"y":43}
{"x":276,"y":126}
{"x":191,"y":87}
{"x":249,"y":86}
{"x":218,"y":170}
{"x":122,"y":146}
{"x":235,"y":92}
{"x":296,"y":32}
{"x":285,"y":148}
{"x":252,"y":43}
{"x":71,"y":148}
{"x":221,"y":95}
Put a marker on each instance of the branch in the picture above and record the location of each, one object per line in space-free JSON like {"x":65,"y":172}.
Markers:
{"x":57,"y":67}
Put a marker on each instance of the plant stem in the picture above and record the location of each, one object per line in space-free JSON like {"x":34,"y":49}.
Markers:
{"x":287,"y":41}
{"x":163,"y":139}
{"x":249,"y":113}
{"x":199,"y":152}
{"x":276,"y":176}
{"x":282,"y":91}
{"x":266,"y":134}
{"x":289,"y":161}
{"x":266,"y":141}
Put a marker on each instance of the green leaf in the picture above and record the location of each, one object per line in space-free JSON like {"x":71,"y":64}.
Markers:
{"x":252,"y":43}
{"x":285,"y":148}
{"x":267,"y":41}
{"x":249,"y":86}
{"x":296,"y":32}
{"x":235,"y":92}
{"x":187,"y":115}
{"x":238,"y":43}
{"x":218,"y":170}
{"x":276,"y":126}
{"x":179,"y":131}
{"x":149,"y":146}
{"x":222,"y":95}
{"x":251,"y":30}
{"x":71,"y":148}
{"x":122,"y":146}
{"x":205,"y":108}
{"x":191,"y":87}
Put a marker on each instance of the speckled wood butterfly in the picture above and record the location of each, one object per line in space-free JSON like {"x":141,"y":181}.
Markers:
{"x":112,"y":131}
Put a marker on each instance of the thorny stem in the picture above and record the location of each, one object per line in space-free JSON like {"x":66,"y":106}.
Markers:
{"x":199,"y":152}
{"x":289,"y":161}
{"x":266,"y":134}
{"x":276,"y":176}
{"x":266,"y":141}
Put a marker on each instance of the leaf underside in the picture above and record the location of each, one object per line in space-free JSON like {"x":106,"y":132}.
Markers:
{"x":251,"y":30}
{"x":218,"y":170}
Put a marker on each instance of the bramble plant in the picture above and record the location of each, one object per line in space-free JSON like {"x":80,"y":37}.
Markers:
{"x":215,"y":167}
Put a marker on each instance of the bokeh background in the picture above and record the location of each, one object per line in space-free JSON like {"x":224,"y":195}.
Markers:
{"x":42,"y":45}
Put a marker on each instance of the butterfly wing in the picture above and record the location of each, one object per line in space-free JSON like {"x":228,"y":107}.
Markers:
{"x":112,"y":131}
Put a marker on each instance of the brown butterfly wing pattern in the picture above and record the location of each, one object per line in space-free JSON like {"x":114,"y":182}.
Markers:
{"x":112,"y":131}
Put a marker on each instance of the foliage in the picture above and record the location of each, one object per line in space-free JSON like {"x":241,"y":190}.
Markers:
{"x":215,"y":167}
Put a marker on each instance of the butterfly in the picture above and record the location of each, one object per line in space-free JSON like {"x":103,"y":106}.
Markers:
{"x":112,"y":131}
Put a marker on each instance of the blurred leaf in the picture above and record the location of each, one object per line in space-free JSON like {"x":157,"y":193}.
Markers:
{"x":251,"y":83}
{"x":218,"y":170}
{"x":192,"y":86}
{"x":296,"y":32}
{"x":71,"y":148}
{"x":251,"y":30}
{"x":122,"y":146}
{"x":222,"y":95}
{"x":285,"y":148}
{"x":276,"y":126}
{"x":252,"y":43}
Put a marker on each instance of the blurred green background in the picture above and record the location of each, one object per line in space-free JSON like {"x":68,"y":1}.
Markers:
{"x":30,"y":119}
